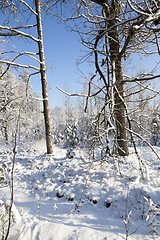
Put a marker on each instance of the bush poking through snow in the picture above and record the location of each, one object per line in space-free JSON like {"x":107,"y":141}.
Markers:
{"x":71,"y":140}
{"x":153,"y":215}
{"x":70,"y":154}
{"x":3,"y":168}
{"x":4,"y":212}
{"x":71,"y":136}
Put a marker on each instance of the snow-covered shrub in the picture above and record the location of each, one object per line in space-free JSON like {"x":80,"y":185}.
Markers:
{"x":71,"y":140}
{"x":4,"y":215}
{"x":83,"y":126}
{"x":14,"y":212}
{"x":153,"y":215}
{"x":4,"y":212}
{"x":155,"y":130}
{"x":3,"y":173}
{"x":71,"y":136}
{"x":93,"y":139}
{"x":58,"y":138}
{"x":70,"y":153}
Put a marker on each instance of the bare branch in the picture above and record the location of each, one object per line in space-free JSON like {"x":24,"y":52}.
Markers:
{"x":38,"y":99}
{"x":20,"y":54}
{"x":28,"y":7}
{"x":73,"y":94}
{"x":89,"y":91}
{"x":28,"y":82}
{"x":146,"y":87}
{"x":141,"y":79}
{"x":137,"y":11}
{"x":25,"y":27}
{"x":16,"y":33}
{"x":19,"y":65}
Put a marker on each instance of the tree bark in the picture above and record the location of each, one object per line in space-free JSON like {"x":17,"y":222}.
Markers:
{"x":119,"y":109}
{"x":43,"y":79}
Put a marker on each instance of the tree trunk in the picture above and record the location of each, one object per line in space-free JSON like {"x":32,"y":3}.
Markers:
{"x":111,"y":10}
{"x":43,"y":79}
{"x":119,"y":112}
{"x":119,"y":109}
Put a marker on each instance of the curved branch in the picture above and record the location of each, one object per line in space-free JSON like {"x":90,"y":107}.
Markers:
{"x":20,"y":54}
{"x":89,"y":91}
{"x":99,"y":36}
{"x":137,"y":11}
{"x":141,"y":79}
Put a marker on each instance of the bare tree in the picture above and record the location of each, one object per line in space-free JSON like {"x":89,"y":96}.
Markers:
{"x":113,"y":31}
{"x":15,"y":8}
{"x":43,"y":78}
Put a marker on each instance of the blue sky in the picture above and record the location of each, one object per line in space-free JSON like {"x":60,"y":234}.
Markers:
{"x":62,"y":50}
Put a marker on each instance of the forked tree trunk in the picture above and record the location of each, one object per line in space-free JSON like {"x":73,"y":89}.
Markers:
{"x":43,"y":79}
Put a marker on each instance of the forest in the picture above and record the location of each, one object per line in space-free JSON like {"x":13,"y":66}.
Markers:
{"x":89,"y":168}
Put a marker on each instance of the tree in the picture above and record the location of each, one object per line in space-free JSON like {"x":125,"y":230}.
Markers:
{"x":11,"y":95}
{"x":43,"y":78}
{"x":19,"y":7}
{"x":112,"y":31}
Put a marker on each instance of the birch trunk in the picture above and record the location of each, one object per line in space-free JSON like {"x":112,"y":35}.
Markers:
{"x":43,"y":79}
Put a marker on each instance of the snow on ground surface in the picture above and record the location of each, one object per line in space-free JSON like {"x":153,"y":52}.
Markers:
{"x":69,"y":199}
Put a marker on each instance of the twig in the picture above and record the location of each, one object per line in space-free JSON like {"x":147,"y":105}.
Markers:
{"x":144,"y":141}
{"x":12,"y":173}
{"x":126,"y":214}
{"x":77,"y":205}
{"x":136,"y":229}
{"x":72,"y":94}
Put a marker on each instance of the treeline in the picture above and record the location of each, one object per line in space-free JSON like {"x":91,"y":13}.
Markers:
{"x":71,"y":126}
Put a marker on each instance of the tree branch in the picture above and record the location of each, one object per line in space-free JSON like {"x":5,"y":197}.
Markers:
{"x":72,"y":94}
{"x":28,"y":7}
{"x":141,"y":79}
{"x":19,"y":65}
{"x":16,"y":33}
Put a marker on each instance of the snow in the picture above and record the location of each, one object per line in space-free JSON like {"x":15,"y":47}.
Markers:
{"x":56,"y":198}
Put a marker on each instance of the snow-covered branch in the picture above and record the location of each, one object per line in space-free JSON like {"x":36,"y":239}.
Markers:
{"x":16,"y":32}
{"x":72,"y":94}
{"x":19,"y":65}
{"x":29,"y":7}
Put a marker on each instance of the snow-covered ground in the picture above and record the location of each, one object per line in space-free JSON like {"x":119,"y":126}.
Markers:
{"x":59,"y":198}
